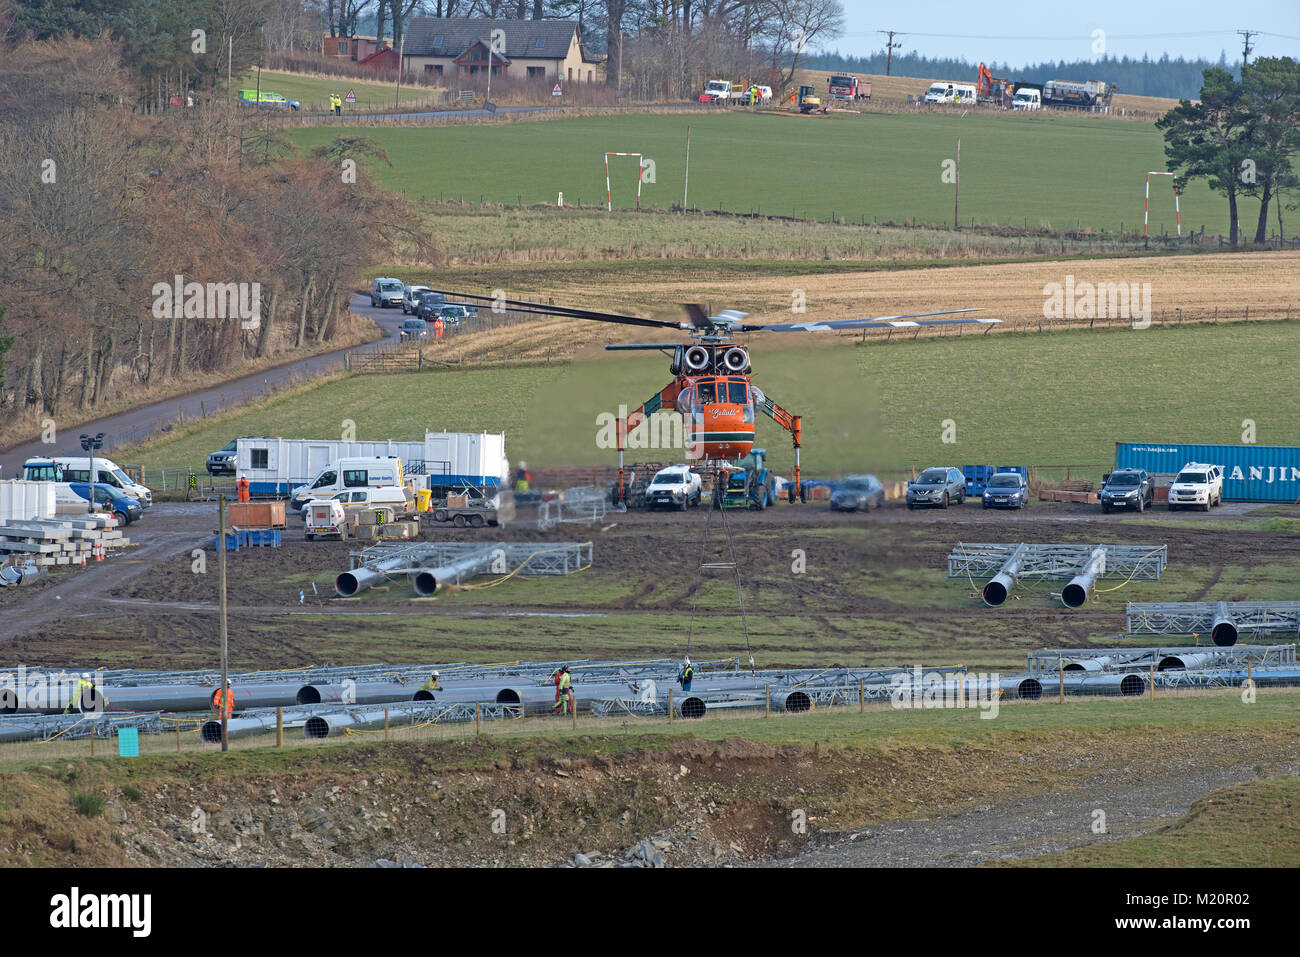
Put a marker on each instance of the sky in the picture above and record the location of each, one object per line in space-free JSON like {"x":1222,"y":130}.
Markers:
{"x":1024,"y":31}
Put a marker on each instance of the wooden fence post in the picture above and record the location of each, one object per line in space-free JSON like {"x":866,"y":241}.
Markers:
{"x":279,"y":727}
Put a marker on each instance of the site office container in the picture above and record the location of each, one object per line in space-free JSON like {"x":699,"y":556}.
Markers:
{"x":276,"y":466}
{"x":1251,"y":473}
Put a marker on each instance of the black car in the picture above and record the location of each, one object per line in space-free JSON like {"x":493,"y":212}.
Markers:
{"x":431,"y":304}
{"x":1127,"y":488}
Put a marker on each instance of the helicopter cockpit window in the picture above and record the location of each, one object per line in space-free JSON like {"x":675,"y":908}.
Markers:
{"x":736,"y":392}
{"x":685,"y":401}
{"x":708,"y":394}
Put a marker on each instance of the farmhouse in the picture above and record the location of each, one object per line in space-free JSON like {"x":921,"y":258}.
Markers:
{"x":525,"y":49}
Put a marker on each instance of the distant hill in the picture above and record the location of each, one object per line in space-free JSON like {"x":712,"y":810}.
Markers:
{"x":1145,"y":77}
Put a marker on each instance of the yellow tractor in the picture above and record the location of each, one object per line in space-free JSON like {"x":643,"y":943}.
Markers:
{"x":809,"y":101}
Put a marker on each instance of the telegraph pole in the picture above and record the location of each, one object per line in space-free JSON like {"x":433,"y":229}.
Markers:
{"x":1245,"y":48}
{"x":890,"y":47}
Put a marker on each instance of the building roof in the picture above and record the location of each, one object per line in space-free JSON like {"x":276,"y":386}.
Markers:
{"x":452,"y":36}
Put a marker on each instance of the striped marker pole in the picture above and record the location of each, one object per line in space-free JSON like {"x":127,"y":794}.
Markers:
{"x":1146,"y":209}
{"x":609,"y":205}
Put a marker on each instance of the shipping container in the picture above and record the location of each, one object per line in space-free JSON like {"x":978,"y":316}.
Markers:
{"x":22,"y":501}
{"x":440,"y":460}
{"x":1251,"y":473}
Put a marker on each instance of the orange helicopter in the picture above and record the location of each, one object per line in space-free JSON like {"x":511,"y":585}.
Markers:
{"x":711,"y":385}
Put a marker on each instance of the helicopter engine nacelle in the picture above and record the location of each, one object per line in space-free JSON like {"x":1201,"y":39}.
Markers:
{"x":735,"y":359}
{"x":696,"y":359}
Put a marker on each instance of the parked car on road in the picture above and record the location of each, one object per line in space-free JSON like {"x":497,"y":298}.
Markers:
{"x":1006,"y":490}
{"x":858,"y":492}
{"x":414,"y":329}
{"x":385,"y":292}
{"x":939,"y":487}
{"x":125,"y":508}
{"x":430,"y":303}
{"x":1126,"y":488}
{"x":411,"y":298}
{"x":453,"y":315}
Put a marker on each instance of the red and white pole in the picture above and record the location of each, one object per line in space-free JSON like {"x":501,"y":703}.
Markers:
{"x":1146,"y":206}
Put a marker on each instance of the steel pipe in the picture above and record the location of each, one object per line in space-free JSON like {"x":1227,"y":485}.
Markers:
{"x":428,"y":581}
{"x":1126,"y":685}
{"x":791,"y":702}
{"x":1224,"y":630}
{"x":1076,"y":592}
{"x":999,"y":587}
{"x":359,"y":692}
{"x":336,"y":722}
{"x":1088,"y":665}
{"x":357,"y":580}
{"x":1186,"y":662}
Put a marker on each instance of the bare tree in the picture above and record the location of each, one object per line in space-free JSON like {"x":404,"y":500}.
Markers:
{"x":792,"y":26}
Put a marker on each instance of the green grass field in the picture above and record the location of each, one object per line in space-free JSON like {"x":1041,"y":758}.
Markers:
{"x":1016,"y":170}
{"x":1036,"y":398}
{"x":313,"y":91}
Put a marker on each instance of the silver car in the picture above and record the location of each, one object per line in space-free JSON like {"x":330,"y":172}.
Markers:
{"x":858,"y":492}
{"x":938,"y":487}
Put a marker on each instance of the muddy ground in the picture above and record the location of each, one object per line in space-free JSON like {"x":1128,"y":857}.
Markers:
{"x":147,"y":607}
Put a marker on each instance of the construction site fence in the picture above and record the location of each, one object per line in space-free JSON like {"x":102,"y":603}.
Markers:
{"x":183,"y":734}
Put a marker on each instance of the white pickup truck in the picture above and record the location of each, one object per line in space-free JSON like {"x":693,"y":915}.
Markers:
{"x":674,"y":487}
{"x":1197,"y":485}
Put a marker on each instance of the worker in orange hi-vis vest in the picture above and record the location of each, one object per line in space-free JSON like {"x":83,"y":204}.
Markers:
{"x":224,"y":701}
{"x":241,"y":489}
{"x":437,"y":328}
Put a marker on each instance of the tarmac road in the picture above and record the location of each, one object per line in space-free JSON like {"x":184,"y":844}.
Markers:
{"x":150,"y":419}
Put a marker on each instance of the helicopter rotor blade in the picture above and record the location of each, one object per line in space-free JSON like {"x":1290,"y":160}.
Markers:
{"x":545,"y":309}
{"x":878,"y":322}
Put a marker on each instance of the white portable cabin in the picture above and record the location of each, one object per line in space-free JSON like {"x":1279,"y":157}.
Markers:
{"x":276,"y":466}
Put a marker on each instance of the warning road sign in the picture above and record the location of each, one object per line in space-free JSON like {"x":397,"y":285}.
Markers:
{"x":351,"y":97}
{"x":557,"y":90}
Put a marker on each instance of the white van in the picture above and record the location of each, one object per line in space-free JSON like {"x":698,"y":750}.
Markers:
{"x":64,"y":469}
{"x":382,"y":476}
{"x":962,"y":94}
{"x":1027,"y":100}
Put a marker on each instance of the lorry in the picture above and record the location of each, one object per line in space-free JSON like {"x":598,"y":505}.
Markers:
{"x":1094,"y":95}
{"x":441,"y":461}
{"x":847,"y":88}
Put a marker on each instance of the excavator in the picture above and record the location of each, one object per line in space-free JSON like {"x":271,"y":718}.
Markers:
{"x":991,"y":88}
{"x":808,"y":101}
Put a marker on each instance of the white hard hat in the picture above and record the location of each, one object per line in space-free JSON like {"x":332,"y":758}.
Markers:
{"x":227,"y":682}
{"x":86,"y":675}
{"x":435,"y":674}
